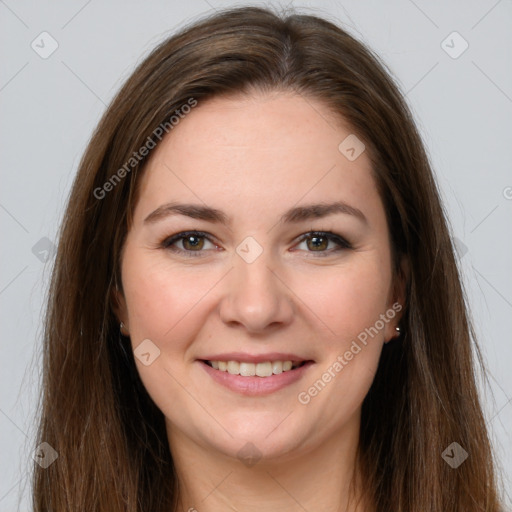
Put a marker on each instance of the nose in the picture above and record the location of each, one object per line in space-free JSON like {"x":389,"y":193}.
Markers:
{"x":256,"y":297}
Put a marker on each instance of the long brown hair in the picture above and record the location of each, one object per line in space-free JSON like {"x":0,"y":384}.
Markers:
{"x":95,"y":412}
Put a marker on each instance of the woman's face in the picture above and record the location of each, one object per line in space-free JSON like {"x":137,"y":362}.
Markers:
{"x":250,"y":284}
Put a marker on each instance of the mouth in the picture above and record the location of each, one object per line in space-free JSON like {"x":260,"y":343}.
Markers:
{"x":247,"y":369}
{"x":255,"y":378}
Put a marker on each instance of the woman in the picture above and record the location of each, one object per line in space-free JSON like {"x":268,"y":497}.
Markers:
{"x":255,"y":303}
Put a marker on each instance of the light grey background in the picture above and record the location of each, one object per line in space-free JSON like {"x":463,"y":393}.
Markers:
{"x":49,"y":107}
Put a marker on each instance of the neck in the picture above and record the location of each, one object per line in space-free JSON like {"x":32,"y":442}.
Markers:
{"x":322,"y":478}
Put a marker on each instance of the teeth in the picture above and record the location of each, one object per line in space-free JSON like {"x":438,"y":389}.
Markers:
{"x":233,"y":367}
{"x":265,"y":369}
{"x":248,"y":369}
{"x":277,"y":367}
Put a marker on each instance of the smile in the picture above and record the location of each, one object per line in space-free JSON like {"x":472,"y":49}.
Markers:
{"x":255,"y":379}
{"x":264,"y":369}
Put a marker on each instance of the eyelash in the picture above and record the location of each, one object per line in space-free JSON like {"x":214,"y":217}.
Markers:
{"x":169,"y":241}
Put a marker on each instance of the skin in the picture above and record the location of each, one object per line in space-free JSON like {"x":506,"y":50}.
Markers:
{"x":254,"y":157}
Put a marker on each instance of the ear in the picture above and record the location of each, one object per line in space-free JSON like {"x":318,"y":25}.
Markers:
{"x":397,"y":299}
{"x":118,"y":303}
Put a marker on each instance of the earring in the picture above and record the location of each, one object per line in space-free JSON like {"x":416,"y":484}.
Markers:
{"x":398,"y":334}
{"x":122,"y":330}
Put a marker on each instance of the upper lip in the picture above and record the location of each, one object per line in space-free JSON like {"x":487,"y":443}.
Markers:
{"x":255,"y":358}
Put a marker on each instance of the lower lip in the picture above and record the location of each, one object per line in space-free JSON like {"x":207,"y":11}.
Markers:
{"x":256,"y":386}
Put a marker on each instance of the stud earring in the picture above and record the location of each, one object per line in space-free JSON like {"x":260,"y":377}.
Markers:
{"x":122,"y":329}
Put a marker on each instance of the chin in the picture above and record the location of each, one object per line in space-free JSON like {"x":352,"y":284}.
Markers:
{"x":269,"y":436}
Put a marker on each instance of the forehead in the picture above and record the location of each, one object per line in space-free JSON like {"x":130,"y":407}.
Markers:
{"x":258,"y":149}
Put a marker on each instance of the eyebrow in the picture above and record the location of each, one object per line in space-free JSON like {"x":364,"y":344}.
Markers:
{"x":293,"y":215}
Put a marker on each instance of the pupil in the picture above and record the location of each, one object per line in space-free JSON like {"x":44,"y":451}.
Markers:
{"x":318,"y":242}
{"x":193,"y":241}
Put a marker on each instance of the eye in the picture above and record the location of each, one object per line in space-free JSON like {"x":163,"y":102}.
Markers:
{"x":191,"y":242}
{"x":318,"y":241}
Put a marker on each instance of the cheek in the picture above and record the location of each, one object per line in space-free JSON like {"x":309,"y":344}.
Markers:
{"x":167,"y":301}
{"x":162,"y":298}
{"x":350,"y":302}
{"x":167,"y":306}
{"x":346,"y":299}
